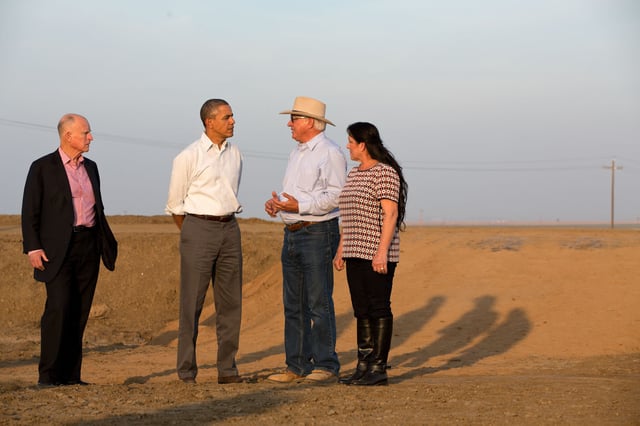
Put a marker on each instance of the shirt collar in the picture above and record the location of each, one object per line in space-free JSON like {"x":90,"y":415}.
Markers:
{"x":67,"y":160}
{"x":311,"y":144}
{"x":207,"y":144}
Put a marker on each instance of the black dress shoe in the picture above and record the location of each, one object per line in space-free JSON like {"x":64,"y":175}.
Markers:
{"x":225,"y":380}
{"x":76,"y":382}
{"x":47,"y":385}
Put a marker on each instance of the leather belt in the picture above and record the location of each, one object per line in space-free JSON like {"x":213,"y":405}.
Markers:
{"x":298,"y":226}
{"x":82,"y":228}
{"x":213,"y":218}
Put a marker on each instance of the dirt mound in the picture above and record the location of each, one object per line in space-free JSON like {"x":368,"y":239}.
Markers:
{"x":492,"y":325}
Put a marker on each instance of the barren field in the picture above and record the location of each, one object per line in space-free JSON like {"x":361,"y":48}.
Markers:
{"x":493,"y":325}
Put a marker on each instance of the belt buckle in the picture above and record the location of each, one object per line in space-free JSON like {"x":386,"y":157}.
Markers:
{"x":297,"y":226}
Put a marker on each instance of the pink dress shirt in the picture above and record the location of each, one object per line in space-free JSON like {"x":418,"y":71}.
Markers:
{"x":81,"y":190}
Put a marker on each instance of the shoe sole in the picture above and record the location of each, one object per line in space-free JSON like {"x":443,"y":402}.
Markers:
{"x":381,"y":383}
{"x":323,"y":380}
{"x":295,"y":380}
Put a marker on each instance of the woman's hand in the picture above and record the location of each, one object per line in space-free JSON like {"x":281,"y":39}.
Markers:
{"x":379,"y":263}
{"x":338,"y":261}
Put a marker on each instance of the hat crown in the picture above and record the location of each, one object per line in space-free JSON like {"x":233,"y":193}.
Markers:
{"x":308,"y":107}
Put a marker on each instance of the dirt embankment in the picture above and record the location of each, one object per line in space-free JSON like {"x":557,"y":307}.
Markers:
{"x":492,"y":325}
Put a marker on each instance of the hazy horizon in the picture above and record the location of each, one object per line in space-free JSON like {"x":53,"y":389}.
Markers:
{"x":498,"y":111}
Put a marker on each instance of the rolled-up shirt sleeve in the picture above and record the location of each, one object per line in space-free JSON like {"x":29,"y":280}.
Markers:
{"x":324,"y":197}
{"x":178,"y":185}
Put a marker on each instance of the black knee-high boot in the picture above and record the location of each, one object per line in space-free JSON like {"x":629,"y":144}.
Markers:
{"x":365,"y":349}
{"x":377,"y":372}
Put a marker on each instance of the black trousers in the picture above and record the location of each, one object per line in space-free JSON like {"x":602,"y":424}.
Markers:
{"x":66,"y":311}
{"x":370,"y":291}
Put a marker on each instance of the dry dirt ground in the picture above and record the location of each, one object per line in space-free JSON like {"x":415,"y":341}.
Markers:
{"x":493,"y":325}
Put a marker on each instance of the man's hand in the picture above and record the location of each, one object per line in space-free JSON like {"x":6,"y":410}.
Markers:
{"x":269,"y":205}
{"x":37,"y":259}
{"x":178,"y":219}
{"x":290,"y":204}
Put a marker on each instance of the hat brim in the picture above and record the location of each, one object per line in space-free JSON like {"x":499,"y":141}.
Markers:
{"x":306,"y":114}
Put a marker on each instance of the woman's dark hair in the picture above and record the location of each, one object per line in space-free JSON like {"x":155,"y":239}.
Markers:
{"x":368,"y":134}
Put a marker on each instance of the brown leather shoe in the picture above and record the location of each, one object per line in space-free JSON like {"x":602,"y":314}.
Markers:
{"x":286,"y":377}
{"x":321,"y":376}
{"x":230,"y":379}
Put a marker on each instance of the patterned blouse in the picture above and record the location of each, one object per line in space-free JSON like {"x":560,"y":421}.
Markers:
{"x":361,"y":211}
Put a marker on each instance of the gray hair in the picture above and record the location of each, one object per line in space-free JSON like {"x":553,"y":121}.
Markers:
{"x":319,"y":125}
{"x":66,"y":121}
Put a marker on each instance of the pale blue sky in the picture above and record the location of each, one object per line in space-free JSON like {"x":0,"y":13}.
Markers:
{"x":498,"y":110}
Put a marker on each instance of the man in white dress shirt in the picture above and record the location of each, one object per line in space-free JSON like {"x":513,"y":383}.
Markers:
{"x":203,"y":202}
{"x":308,"y":205}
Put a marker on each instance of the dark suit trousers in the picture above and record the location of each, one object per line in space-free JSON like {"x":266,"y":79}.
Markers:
{"x":69,"y":297}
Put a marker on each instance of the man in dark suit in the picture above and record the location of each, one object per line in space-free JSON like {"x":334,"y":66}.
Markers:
{"x":65,"y":233}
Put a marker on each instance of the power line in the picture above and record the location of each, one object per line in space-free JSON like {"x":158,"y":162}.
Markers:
{"x":408,"y":165}
{"x":138,"y":141}
{"x":16,"y":123}
{"x":556,"y":160}
{"x":502,"y":169}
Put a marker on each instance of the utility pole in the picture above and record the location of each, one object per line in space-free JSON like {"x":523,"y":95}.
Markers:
{"x":613,"y":169}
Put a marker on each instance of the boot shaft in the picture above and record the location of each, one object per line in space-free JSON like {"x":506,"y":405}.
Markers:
{"x":377,"y":371}
{"x":364,"y":340}
{"x":364,"y":333}
{"x":382,"y":333}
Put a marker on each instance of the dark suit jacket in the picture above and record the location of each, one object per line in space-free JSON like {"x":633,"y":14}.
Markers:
{"x":47,"y":214}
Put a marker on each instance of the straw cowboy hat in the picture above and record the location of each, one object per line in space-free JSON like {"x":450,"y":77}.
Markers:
{"x":308,"y":107}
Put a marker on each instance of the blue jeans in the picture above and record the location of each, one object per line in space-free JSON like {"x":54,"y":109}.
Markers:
{"x":309,"y":317}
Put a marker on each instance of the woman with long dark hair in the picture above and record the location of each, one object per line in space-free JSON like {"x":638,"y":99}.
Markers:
{"x":372,"y":209}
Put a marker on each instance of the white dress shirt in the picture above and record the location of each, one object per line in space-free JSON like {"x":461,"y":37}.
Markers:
{"x":315,"y":175}
{"x":205,"y":179}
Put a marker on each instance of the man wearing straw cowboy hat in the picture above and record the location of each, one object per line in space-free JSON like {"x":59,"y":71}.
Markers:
{"x":308,"y":206}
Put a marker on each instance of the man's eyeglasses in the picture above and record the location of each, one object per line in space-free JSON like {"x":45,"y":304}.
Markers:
{"x":297,"y":117}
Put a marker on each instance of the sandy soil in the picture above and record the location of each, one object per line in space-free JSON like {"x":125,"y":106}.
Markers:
{"x":494,"y":325}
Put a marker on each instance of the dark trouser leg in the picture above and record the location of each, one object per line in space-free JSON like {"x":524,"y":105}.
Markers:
{"x":377,"y":373}
{"x":86,"y":280}
{"x":51,"y":331}
{"x":81,"y":313}
{"x":227,"y":291}
{"x":69,"y":298}
{"x":365,"y":349}
{"x":199,"y":244}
